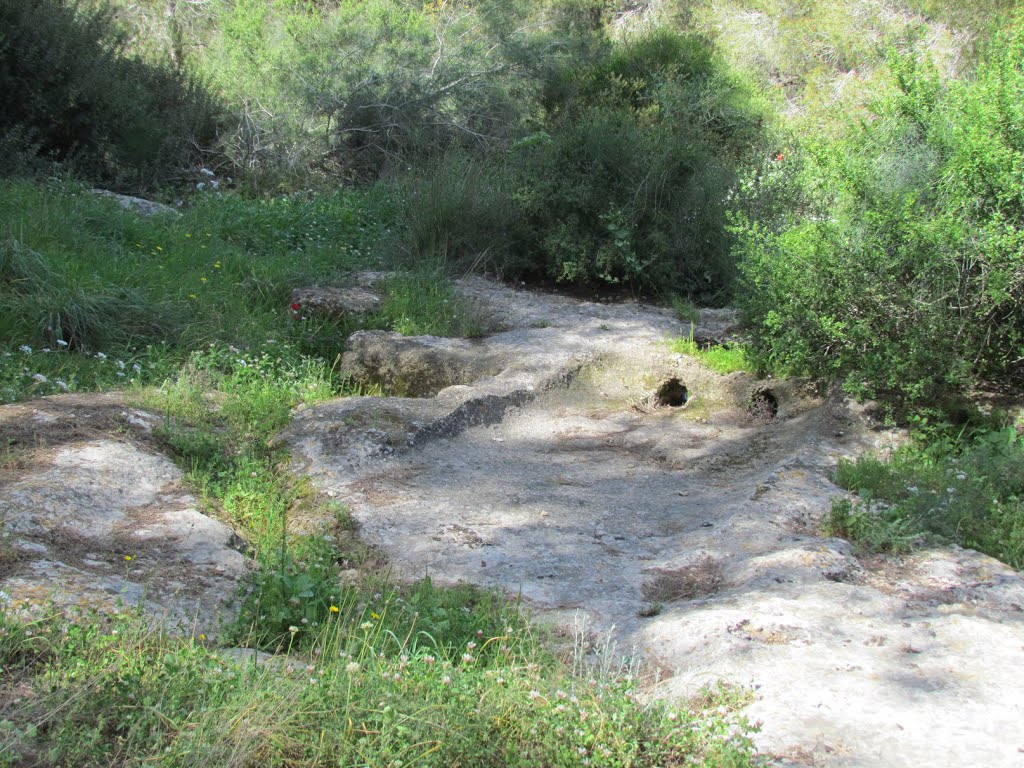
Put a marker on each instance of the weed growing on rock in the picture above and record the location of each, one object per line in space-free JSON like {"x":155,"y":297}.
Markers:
{"x":968,"y":491}
{"x":723,"y":359}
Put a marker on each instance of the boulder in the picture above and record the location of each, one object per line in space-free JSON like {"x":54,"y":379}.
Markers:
{"x":138,"y":205}
{"x":419,"y":366}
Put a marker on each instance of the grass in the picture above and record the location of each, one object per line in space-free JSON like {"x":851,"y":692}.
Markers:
{"x":968,"y":491}
{"x":93,"y":296}
{"x":368,"y":689}
{"x":722,"y":359}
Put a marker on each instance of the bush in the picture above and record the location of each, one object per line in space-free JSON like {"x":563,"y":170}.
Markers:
{"x":70,"y":95}
{"x":624,"y":183}
{"x":906,"y":279}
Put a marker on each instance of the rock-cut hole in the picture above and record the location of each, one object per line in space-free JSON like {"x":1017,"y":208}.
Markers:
{"x":763,"y":405}
{"x":672,"y":393}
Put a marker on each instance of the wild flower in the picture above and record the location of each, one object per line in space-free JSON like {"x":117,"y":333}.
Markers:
{"x":39,"y":377}
{"x":352,"y":667}
{"x":61,"y":343}
{"x":26,"y":349}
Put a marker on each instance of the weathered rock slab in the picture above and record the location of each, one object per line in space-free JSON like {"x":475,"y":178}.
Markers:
{"x":138,"y":205}
{"x":419,"y":366}
{"x":335,"y":302}
{"x":691,"y":531}
{"x":97,"y":523}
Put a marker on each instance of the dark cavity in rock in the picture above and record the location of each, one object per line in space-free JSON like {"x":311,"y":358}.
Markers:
{"x":672,"y":393}
{"x":763,"y":405}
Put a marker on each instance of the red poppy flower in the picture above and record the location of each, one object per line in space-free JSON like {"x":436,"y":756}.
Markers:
{"x":296,"y":307}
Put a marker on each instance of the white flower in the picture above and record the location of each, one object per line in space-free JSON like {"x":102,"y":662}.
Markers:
{"x":352,"y":667}
{"x":39,"y":377}
{"x":136,"y":367}
{"x":293,"y":629}
{"x":101,"y":356}
{"x":206,"y":172}
{"x":62,"y":384}
{"x":201,"y":185}
{"x":120,"y":364}
{"x":61,"y":343}
{"x":26,"y":349}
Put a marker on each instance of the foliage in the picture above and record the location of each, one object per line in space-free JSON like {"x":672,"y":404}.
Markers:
{"x":623,"y":182}
{"x":113,"y":692}
{"x":967,"y":490}
{"x":906,"y":281}
{"x":58,"y":61}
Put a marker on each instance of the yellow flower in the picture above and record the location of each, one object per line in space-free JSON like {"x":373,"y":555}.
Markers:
{"x":333,"y":609}
{"x":128,"y":558}
{"x":192,"y":296}
{"x":374,"y":616}
{"x":202,"y":279}
{"x":202,"y":637}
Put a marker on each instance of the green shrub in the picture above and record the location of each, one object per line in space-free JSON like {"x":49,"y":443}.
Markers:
{"x":632,"y":185}
{"x":905,"y":279}
{"x":70,"y":94}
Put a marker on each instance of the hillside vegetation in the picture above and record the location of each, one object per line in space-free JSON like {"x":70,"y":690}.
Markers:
{"x":850,"y":174}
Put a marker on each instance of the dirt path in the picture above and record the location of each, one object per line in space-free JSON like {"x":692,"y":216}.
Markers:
{"x":689,"y":528}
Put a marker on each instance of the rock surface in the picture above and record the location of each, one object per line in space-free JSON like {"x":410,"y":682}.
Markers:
{"x":93,"y":519}
{"x":138,"y":205}
{"x":564,"y":478}
{"x":336,"y":302}
{"x":418,"y":366}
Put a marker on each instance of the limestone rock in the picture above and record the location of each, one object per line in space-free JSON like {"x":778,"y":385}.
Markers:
{"x":93,"y":522}
{"x":336,"y":302}
{"x":556,"y":480}
{"x":419,"y":366}
{"x":138,"y":205}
